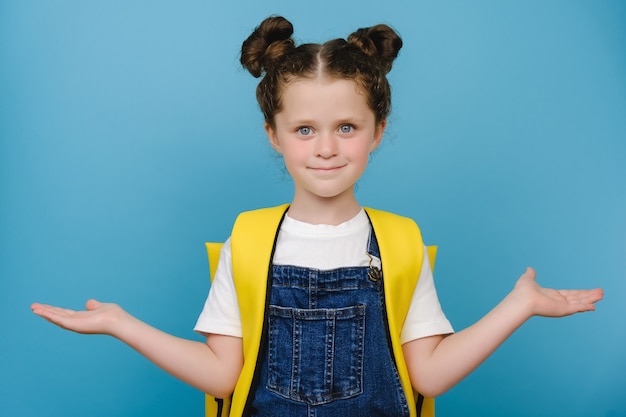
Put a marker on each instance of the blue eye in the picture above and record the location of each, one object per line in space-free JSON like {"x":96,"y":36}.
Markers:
{"x":304,"y":130}
{"x":346,"y":128}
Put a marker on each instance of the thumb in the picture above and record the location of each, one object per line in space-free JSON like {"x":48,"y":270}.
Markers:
{"x":92,"y":304}
{"x":530,"y":273}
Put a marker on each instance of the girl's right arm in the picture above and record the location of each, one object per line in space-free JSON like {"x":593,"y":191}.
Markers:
{"x":212,"y":367}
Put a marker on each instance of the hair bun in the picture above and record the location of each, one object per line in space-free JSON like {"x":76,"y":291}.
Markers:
{"x":269,"y":41}
{"x":379,"y":42}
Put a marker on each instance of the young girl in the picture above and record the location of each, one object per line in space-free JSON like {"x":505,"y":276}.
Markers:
{"x":327,"y":336}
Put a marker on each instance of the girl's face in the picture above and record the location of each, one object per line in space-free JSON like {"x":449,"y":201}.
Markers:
{"x":325,"y":134}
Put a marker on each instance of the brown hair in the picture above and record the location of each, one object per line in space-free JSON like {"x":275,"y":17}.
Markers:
{"x":365,"y":57}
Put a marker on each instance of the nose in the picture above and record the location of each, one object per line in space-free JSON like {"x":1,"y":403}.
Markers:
{"x":326,"y":145}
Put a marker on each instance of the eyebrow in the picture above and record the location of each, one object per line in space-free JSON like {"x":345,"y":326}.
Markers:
{"x":339,"y":121}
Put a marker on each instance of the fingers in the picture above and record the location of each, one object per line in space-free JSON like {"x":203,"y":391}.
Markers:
{"x":64,"y":317}
{"x":578,"y":301}
{"x":100,"y":318}
{"x":46,"y":310}
{"x":583,"y":298}
{"x":578,"y":296}
{"x":41,"y":309}
{"x":549,"y":302}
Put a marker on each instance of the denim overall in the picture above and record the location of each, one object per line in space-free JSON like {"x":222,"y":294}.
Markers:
{"x":328,"y":351}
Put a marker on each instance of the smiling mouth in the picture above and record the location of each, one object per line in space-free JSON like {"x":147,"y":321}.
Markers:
{"x":326,"y":169}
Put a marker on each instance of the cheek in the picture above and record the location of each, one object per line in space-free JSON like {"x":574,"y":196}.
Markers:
{"x":294,"y":155}
{"x":360,"y":152}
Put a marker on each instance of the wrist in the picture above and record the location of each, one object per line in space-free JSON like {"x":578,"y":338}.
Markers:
{"x":120,"y":324}
{"x":520,"y":303}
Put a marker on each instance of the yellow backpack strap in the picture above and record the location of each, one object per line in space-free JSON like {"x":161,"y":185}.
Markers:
{"x":213,"y":250}
{"x":252,"y":243}
{"x":215,"y":407}
{"x":428,"y":404}
{"x":402,"y":254}
{"x":432,"y":256}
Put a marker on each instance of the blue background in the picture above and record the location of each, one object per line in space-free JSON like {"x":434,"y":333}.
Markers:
{"x":129,"y":136}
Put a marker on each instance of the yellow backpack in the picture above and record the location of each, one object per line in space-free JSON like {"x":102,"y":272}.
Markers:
{"x":252,"y":246}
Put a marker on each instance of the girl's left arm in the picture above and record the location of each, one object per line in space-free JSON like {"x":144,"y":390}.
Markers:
{"x":437,"y":363}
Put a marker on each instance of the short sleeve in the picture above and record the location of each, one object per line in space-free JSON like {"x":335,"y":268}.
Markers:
{"x":425,"y":317}
{"x":220,"y":314}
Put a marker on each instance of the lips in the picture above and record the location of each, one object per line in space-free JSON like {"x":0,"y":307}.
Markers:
{"x":327,"y":169}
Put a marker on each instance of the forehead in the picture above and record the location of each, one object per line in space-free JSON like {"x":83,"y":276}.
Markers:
{"x":321,"y":97}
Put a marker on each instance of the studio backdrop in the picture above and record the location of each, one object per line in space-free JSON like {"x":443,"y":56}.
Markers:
{"x":130,"y":135}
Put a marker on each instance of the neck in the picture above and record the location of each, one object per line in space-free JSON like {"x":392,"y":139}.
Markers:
{"x":332,"y":211}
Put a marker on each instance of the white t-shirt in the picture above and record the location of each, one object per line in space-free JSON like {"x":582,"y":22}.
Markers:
{"x":321,"y":247}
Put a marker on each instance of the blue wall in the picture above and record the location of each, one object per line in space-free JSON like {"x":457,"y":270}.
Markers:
{"x":129,"y":136}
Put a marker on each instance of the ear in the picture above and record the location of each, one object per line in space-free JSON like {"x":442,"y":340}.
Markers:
{"x":378,"y":134}
{"x":271,"y":135}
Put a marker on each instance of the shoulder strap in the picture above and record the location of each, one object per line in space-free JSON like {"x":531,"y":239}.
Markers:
{"x":252,"y":245}
{"x":402,"y":254}
{"x":215,"y":407}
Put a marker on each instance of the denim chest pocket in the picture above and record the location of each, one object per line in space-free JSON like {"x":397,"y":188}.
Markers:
{"x":316,"y":355}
